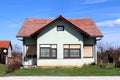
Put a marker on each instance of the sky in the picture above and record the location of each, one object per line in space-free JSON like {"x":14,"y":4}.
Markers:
{"x":105,"y":13}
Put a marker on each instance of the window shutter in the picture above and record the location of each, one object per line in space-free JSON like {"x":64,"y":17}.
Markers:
{"x":88,"y":51}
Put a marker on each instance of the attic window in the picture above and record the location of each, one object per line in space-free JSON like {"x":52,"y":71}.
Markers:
{"x":60,"y":28}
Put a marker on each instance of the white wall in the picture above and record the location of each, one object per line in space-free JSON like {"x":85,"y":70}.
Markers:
{"x":9,"y":52}
{"x":64,"y":62}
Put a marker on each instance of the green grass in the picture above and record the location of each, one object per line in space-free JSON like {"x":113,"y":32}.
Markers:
{"x":2,"y":69}
{"x":86,"y":70}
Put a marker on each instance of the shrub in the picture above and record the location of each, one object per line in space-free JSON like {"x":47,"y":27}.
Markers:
{"x":12,"y":67}
{"x":108,"y":53}
{"x":93,"y":63}
{"x":117,"y":63}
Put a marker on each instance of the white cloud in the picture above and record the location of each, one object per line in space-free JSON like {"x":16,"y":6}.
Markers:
{"x":94,"y":1}
{"x":10,"y":24}
{"x":14,"y":25}
{"x":109,"y":23}
{"x":117,"y":21}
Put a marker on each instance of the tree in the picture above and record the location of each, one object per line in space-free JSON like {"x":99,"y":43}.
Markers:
{"x":107,"y":53}
{"x":102,"y":53}
{"x":17,"y":48}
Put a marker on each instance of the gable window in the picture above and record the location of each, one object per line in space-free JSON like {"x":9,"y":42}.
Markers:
{"x":48,"y":51}
{"x":72,"y":51}
{"x":60,"y":28}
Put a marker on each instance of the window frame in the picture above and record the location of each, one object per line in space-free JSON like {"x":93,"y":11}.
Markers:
{"x":60,"y":26}
{"x":68,"y":57}
{"x":50,"y":56}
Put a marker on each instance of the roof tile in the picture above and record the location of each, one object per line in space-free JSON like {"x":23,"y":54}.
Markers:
{"x":4,"y":43}
{"x":32,"y":25}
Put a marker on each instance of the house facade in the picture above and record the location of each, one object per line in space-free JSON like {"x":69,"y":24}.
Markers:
{"x":59,"y":41}
{"x":5,"y":51}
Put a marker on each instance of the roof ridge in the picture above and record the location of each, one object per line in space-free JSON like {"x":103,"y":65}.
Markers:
{"x":55,"y":18}
{"x":79,"y":18}
{"x":38,"y":18}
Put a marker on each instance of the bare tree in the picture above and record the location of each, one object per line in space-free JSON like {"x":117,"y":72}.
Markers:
{"x":102,"y":53}
{"x":107,"y":53}
{"x":17,"y":48}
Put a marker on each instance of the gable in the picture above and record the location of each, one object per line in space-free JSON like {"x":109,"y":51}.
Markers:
{"x":86,"y":25}
{"x":50,"y":34}
{"x":33,"y":25}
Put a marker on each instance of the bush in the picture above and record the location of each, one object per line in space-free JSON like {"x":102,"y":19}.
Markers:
{"x":108,"y":53}
{"x":93,"y":63}
{"x":12,"y":67}
{"x":117,"y":64}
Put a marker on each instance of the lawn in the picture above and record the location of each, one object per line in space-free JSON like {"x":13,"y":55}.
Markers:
{"x":87,"y":70}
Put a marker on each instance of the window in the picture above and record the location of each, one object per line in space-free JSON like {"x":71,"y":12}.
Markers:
{"x":72,"y":51}
{"x":88,"y":52}
{"x":60,"y":28}
{"x":48,"y":51}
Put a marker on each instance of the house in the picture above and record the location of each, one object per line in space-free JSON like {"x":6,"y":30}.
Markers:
{"x":5,"y":51}
{"x":59,"y":41}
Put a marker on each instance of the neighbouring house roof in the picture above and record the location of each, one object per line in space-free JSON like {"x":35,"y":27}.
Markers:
{"x":4,"y":43}
{"x":33,"y":25}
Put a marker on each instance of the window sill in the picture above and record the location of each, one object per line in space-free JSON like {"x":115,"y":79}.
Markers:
{"x":88,"y":57}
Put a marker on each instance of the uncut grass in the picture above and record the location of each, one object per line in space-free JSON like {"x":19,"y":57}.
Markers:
{"x":87,"y":70}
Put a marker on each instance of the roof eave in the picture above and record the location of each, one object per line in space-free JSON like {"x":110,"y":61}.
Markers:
{"x":21,"y":36}
{"x":96,"y":35}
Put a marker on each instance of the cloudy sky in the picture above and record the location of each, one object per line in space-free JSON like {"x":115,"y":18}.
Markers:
{"x":106,"y":14}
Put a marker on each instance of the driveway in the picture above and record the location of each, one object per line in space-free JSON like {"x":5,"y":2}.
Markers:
{"x":60,"y":78}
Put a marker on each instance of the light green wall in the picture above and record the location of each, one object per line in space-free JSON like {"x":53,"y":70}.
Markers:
{"x":50,"y":35}
{"x":70,"y":35}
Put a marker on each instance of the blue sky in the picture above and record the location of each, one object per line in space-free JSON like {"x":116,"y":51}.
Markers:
{"x":106,"y":14}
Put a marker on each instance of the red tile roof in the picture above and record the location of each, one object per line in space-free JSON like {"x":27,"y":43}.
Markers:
{"x":33,"y":25}
{"x":4,"y":43}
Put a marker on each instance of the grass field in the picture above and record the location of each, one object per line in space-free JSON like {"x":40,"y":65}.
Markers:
{"x":87,"y":70}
